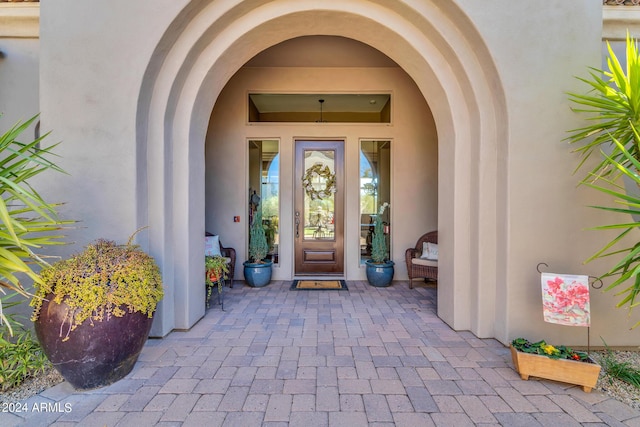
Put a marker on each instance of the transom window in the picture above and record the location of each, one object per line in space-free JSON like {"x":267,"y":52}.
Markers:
{"x":319,"y":108}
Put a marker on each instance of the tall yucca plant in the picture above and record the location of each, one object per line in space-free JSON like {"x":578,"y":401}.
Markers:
{"x":27,"y":222}
{"x":628,"y":268}
{"x":614,"y":105}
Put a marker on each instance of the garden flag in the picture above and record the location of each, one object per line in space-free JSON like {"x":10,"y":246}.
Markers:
{"x":565,"y":299}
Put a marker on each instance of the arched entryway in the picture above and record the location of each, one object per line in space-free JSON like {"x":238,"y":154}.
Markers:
{"x":358,"y":83}
{"x":436,"y":46}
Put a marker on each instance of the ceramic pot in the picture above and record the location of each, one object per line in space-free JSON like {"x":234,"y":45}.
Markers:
{"x":257,"y":274}
{"x":379,"y":274}
{"x":96,"y":353}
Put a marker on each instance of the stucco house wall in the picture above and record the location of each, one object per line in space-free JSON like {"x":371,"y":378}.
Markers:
{"x":547,"y":215}
{"x":19,"y":63}
{"x":133,"y":105}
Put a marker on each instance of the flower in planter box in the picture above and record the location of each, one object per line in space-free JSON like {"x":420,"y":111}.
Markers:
{"x":544,"y":349}
{"x":556,"y":363}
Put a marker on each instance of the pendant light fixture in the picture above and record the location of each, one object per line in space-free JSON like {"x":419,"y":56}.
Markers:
{"x":321,"y":101}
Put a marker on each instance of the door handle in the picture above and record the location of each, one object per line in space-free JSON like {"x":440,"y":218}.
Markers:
{"x":297,"y":224}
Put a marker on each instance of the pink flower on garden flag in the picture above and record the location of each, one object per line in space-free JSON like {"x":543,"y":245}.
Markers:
{"x":565,"y":299}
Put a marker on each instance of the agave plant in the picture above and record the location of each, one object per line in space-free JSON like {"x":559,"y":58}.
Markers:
{"x":614,"y":105}
{"x":27,"y":222}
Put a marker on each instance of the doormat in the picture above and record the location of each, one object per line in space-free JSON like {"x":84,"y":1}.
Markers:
{"x":319,"y":285}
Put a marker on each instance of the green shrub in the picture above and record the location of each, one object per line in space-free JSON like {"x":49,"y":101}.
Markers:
{"x":20,"y":358}
{"x":623,"y":371}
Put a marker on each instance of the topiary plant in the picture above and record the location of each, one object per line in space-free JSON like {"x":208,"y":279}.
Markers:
{"x":258,"y":247}
{"x":104,"y":280}
{"x":379,"y":243}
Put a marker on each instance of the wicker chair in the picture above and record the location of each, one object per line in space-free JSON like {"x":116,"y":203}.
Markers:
{"x":230,"y":254}
{"x":417,"y":267}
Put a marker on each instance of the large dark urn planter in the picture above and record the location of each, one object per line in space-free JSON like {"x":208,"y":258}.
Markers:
{"x":96,"y":354}
{"x":379,"y":274}
{"x":257,"y":274}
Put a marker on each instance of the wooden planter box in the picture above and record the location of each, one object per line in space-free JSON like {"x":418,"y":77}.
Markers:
{"x":584,"y":374}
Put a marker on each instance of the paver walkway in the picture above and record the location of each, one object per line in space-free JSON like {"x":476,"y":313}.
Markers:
{"x":366,"y":357}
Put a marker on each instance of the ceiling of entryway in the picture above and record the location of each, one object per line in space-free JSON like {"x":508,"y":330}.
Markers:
{"x":321,"y":51}
{"x":310,"y":102}
{"x":320,"y":107}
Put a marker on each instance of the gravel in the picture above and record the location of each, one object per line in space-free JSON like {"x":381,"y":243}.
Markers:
{"x":31,"y":386}
{"x":620,"y":390}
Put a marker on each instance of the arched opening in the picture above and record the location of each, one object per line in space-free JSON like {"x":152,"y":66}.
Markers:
{"x":435,"y":46}
{"x":401,"y":154}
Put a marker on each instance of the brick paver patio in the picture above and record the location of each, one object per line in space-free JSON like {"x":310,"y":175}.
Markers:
{"x":363,"y":357}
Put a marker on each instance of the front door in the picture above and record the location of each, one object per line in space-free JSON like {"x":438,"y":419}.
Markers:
{"x":319,"y":208}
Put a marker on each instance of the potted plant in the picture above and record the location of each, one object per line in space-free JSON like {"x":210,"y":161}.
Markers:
{"x":93,"y":311}
{"x":379,"y":268}
{"x":257,"y":270}
{"x":612,"y":134}
{"x":559,"y":363}
{"x":216,"y":273}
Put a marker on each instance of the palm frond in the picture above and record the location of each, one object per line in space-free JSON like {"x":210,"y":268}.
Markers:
{"x":27,"y":222}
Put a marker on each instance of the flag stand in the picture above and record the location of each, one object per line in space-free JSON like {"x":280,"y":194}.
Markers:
{"x":595,"y":283}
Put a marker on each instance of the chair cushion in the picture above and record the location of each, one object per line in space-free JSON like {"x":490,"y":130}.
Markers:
{"x":429,"y":251}
{"x":212,"y":246}
{"x":425,"y":262}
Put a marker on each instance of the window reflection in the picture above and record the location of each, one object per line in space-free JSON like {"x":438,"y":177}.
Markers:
{"x":264,"y":189}
{"x":375,"y":189}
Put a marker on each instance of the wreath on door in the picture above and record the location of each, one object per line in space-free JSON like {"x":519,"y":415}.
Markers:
{"x":319,"y":171}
